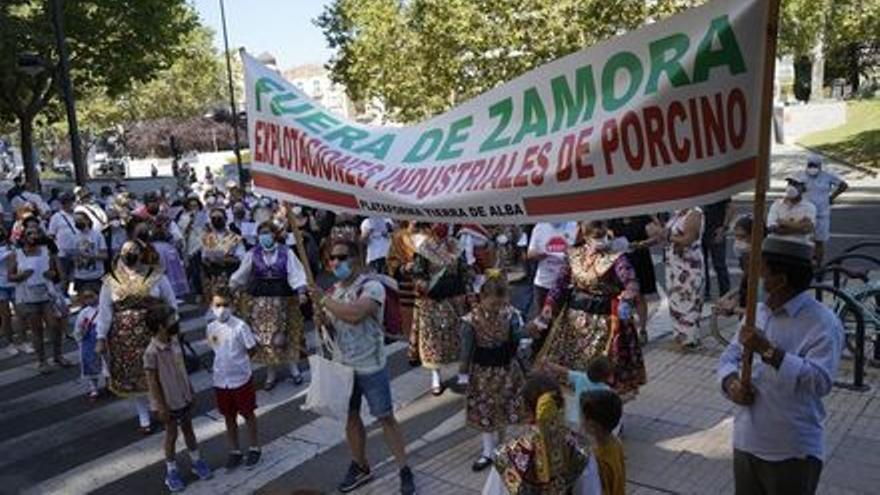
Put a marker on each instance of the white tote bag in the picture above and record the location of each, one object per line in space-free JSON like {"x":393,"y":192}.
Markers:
{"x":332,"y":382}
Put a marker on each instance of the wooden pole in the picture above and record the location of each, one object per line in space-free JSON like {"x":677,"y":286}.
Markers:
{"x":307,"y":268}
{"x":762,"y":173}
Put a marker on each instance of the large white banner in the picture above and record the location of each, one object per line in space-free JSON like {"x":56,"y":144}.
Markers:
{"x":660,"y":118}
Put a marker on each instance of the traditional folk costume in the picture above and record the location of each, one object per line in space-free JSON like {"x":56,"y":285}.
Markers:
{"x":271,"y":278}
{"x":495,"y":377}
{"x":439,"y":266}
{"x":589,"y":290}
{"x":684,"y":280}
{"x":222,"y":252}
{"x":547,"y":460}
{"x":126,"y":297}
{"x":165,"y":238}
{"x":401,"y":254}
{"x":479,"y":252}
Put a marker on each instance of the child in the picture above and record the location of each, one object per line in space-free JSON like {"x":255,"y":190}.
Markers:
{"x":171,"y":394}
{"x":601,"y":411}
{"x":490,"y":339}
{"x":91,"y":362}
{"x":234,"y":345}
{"x":547,"y":457}
{"x":599,"y":373}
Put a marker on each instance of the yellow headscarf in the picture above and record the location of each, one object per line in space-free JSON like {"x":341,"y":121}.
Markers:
{"x":548,"y":454}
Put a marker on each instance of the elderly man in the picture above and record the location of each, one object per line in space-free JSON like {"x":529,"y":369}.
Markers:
{"x":778,"y":428}
{"x":821,"y":189}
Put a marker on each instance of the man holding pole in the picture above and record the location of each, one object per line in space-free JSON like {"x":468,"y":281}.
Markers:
{"x":778,"y":428}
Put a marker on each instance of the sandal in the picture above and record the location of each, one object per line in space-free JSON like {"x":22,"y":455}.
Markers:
{"x":438,"y":391}
{"x":146,"y":430}
{"x":481,"y":464}
{"x":269,"y":385}
{"x":297,"y":380}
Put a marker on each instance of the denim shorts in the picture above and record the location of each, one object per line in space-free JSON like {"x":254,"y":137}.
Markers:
{"x":7,"y":294}
{"x":376,"y":387}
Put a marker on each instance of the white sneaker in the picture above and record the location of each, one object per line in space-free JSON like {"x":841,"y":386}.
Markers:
{"x":26,"y":348}
{"x":11,"y":350}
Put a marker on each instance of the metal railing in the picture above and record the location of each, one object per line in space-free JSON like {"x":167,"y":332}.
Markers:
{"x":858,"y":381}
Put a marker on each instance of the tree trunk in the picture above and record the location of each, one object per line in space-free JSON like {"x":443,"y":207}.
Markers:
{"x":26,"y":127}
{"x":853,"y":67}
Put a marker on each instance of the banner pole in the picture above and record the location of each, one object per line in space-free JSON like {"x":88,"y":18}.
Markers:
{"x":762,"y":175}
{"x":304,"y":261}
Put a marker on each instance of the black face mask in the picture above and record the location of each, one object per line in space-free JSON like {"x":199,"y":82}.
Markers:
{"x":81,"y":226}
{"x":218,"y":223}
{"x":144,"y":236}
{"x":32,"y":240}
{"x":174,"y":329}
{"x":130,"y":259}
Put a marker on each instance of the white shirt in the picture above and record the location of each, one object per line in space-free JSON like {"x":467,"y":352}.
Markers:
{"x":552,"y":240}
{"x":378,"y":233}
{"x":296,"y":276}
{"x":88,"y":243}
{"x":782,"y":210}
{"x":62,"y":228}
{"x":230,"y":340}
{"x":819,"y":189}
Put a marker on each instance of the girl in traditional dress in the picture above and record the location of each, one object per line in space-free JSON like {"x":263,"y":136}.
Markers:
{"x":130,"y":291}
{"x":400,"y":265}
{"x":684,"y":274}
{"x":442,"y":281}
{"x":548,"y":458}
{"x":272,"y":276}
{"x":222,"y":252}
{"x":595,"y":295}
{"x":490,"y":338}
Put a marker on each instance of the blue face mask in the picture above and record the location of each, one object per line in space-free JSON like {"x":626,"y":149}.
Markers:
{"x":267,"y":241}
{"x":342,"y":270}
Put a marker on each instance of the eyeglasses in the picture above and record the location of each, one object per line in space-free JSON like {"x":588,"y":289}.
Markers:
{"x":339,"y":257}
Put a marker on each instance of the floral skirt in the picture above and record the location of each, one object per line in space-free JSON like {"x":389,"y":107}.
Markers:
{"x":435,"y":325}
{"x":684,"y":282}
{"x":625,"y":353}
{"x":268,"y":315}
{"x":128,"y":339}
{"x":494,"y":398}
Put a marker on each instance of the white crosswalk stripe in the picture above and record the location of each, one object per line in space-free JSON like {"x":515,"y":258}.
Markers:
{"x":282,"y":453}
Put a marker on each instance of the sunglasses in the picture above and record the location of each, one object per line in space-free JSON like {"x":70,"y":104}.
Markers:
{"x":339,"y":257}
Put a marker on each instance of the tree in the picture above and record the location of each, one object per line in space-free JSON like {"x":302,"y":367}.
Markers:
{"x":193,"y":84}
{"x":853,"y":40}
{"x":421,"y":57}
{"x":112,"y":44}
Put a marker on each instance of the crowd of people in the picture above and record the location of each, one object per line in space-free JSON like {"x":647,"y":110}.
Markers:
{"x":562,"y":364}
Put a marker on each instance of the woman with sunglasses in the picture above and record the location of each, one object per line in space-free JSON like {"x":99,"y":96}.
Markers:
{"x":275,"y":282}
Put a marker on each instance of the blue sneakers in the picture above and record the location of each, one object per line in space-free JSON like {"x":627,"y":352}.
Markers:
{"x":200,"y":468}
{"x":174,"y":482}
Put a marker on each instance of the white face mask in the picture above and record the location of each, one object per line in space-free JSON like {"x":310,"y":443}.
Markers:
{"x":813,"y":171}
{"x":792,"y":192}
{"x":741,"y":247}
{"x":220,"y":313}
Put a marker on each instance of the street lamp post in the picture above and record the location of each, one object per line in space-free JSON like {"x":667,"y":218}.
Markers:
{"x":233,"y":109}
{"x":79,"y":169}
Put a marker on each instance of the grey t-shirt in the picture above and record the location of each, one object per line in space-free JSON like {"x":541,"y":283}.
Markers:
{"x":362,"y":345}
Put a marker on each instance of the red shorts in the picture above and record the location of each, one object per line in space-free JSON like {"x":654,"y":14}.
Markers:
{"x":235,"y":401}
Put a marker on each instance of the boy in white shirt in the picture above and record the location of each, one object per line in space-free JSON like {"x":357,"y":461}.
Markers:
{"x":234,"y":345}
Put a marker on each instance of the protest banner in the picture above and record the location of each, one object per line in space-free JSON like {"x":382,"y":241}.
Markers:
{"x":664,"y":117}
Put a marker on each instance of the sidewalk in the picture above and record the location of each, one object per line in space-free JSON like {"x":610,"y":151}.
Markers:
{"x":792,"y":159}
{"x":677,"y":435}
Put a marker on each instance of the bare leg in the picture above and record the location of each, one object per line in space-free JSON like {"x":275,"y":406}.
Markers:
{"x":232,"y":432}
{"x":250,"y":421}
{"x":170,"y":440}
{"x":394,"y":440}
{"x":189,"y":436}
{"x":357,"y":438}
{"x":35,"y":324}
{"x":642,"y":311}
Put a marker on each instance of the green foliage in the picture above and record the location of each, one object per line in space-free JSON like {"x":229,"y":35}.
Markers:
{"x":800,"y":26}
{"x":421,"y":57}
{"x":852,"y":39}
{"x":857,"y":141}
{"x":194,"y":83}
